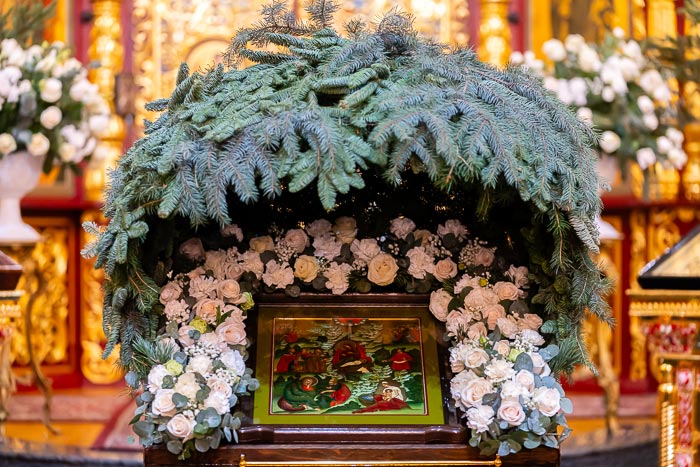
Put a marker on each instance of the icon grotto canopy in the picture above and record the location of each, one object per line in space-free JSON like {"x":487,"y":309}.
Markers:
{"x":324,"y":117}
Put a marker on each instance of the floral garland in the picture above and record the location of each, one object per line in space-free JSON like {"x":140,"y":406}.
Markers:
{"x":502,"y":381}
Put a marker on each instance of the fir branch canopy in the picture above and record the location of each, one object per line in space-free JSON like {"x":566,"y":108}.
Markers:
{"x":318,"y":109}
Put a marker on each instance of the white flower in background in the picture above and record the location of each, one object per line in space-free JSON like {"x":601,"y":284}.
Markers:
{"x":677,"y":157}
{"x":645,"y":157}
{"x":306,"y":268}
{"x":38,"y":145}
{"x":554,"y":50}
{"x":155,"y":377}
{"x":664,"y":144}
{"x":551,"y":83}
{"x":525,"y":379}
{"x":475,"y":390}
{"x":471,"y":357}
{"x":609,"y":142}
{"x":651,"y":80}
{"x":499,"y":370}
{"x":50,"y":117}
{"x":517,"y":58}
{"x":420,"y":262}
{"x":645,"y":104}
{"x":7,"y":144}
{"x":337,"y":276}
{"x":629,"y":69}
{"x":511,"y":412}
{"x":574,"y":42}
{"x":578,"y":89}
{"x":563,"y":92}
{"x":608,"y":94}
{"x":547,"y":400}
{"x":233,"y":360}
{"x":588,"y":59}
{"x":163,"y":403}
{"x":618,"y":32}
{"x":676,"y":136}
{"x":181,"y":427}
{"x":51,"y":90}
{"x":650,"y":121}
{"x":187,"y":385}
{"x":68,"y":152}
{"x":479,"y":418}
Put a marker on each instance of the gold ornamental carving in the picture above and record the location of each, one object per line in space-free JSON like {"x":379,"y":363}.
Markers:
{"x":92,"y":337}
{"x":661,"y":19}
{"x":639,"y":20}
{"x":691,"y":174}
{"x":494,"y":32}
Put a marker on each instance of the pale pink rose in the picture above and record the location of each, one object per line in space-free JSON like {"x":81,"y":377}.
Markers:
{"x":251,"y":262}
{"x":306,"y":268}
{"x":401,"y":227}
{"x":480,"y":297}
{"x":530,"y":321}
{"x":183,"y":335}
{"x":499,"y":370}
{"x":297,"y":239}
{"x":502,"y":347}
{"x":207,"y":309}
{"x":233,"y":313}
{"x":445,"y":269}
{"x":202,"y":287}
{"x":508,"y":327}
{"x":365,"y":249}
{"x":475,"y":357}
{"x":319,"y":228}
{"x":181,"y":427}
{"x":493,"y":313}
{"x":192,"y":249}
{"x":526,"y":379}
{"x":232,"y":331}
{"x":218,"y":402}
{"x":219,"y":386}
{"x":506,"y":291}
{"x":230,"y":290}
{"x":547,"y":400}
{"x":422,"y":236}
{"x":278,"y":275}
{"x":467,"y":281}
{"x":476,"y":331}
{"x":457,"y":385}
{"x":262,"y":244}
{"x":345,"y":229}
{"x":163,"y":403}
{"x":337,"y":276}
{"x":511,"y":412}
{"x":439,"y":301}
{"x":475,"y":390}
{"x":518,"y":276}
{"x":479,"y":418}
{"x":420,"y":262}
{"x":454,"y":227}
{"x":170,"y":291}
{"x":382,"y":269}
{"x":232,"y":230}
{"x":540,"y":367}
{"x":177,"y":311}
{"x":196,"y":272}
{"x":327,"y":246}
{"x":457,"y":323}
{"x":234,"y":270}
{"x":187,"y":385}
{"x":214,"y":340}
{"x":200,"y":364}
{"x":458,"y":355}
{"x":215,"y":260}
{"x":484,"y":257}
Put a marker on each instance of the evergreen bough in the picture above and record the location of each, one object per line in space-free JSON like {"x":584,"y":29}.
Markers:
{"x":320,"y":109}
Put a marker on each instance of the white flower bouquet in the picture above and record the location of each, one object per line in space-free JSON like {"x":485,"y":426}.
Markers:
{"x":48,"y":107}
{"x":617,"y":89}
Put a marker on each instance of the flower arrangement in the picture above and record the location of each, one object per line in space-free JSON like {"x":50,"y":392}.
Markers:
{"x":617,"y":89}
{"x":502,"y":381}
{"x":48,"y":107}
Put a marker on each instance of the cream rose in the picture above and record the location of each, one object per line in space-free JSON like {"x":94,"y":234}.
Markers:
{"x":526,"y":379}
{"x":365,"y":249}
{"x":445,"y":269}
{"x":218,"y":402}
{"x":511,"y":412}
{"x":261,"y":244}
{"x":506,"y":291}
{"x":540,"y":367}
{"x":475,"y":357}
{"x":230,"y":290}
{"x":200,"y":364}
{"x":502,"y":347}
{"x":480,"y":297}
{"x":181,"y":427}
{"x":297,"y":239}
{"x":278,"y":275}
{"x":207,"y":309}
{"x":337,"y":277}
{"x":183,"y":335}
{"x":499,"y":370}
{"x":170,"y":291}
{"x":475,"y":390}
{"x":382,"y":269}
{"x":220,"y":386}
{"x":306,"y":268}
{"x":439,"y":301}
{"x":51,"y":89}
{"x":530,"y":321}
{"x":476,"y":331}
{"x":420,"y":262}
{"x":547,"y":400}
{"x":401,"y":227}
{"x":234,"y":270}
{"x":187,"y":385}
{"x":50,"y":117}
{"x":39,"y":145}
{"x":479,"y":418}
{"x":484,"y":257}
{"x":319,"y":228}
{"x":7,"y":144}
{"x":508,"y":327}
{"x":232,"y":331}
{"x":493,"y":313}
{"x":518,"y":276}
{"x":233,"y":360}
{"x":163,"y":403}
{"x":155,"y":377}
{"x":345,"y":229}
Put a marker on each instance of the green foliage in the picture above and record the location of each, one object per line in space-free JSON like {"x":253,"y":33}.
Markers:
{"x":327,"y":112}
{"x":24,"y":21}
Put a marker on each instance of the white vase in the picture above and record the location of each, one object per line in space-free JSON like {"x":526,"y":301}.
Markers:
{"x":19,"y":174}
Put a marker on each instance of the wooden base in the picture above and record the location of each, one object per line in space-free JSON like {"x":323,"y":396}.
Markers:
{"x":369,"y":455}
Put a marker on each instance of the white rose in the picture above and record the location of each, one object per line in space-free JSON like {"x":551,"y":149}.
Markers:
{"x":306,"y":268}
{"x":51,"y":90}
{"x":499,"y":370}
{"x":475,"y":358}
{"x":457,"y":385}
{"x":585,"y":114}
{"x":200,"y":364}
{"x":531,"y":337}
{"x":50,"y":117}
{"x":517,"y":58}
{"x":232,"y":331}
{"x":297,"y":239}
{"x":218,"y":402}
{"x":508,"y":327}
{"x":219,"y":386}
{"x":547,"y":400}
{"x":502,"y":347}
{"x":98,"y":123}
{"x":181,"y":427}
{"x":574,"y":42}
{"x":401,"y":227}
{"x":445,"y":269}
{"x":163,"y":403}
{"x":365,"y":249}
{"x":664,"y":144}
{"x":382,"y":269}
{"x":645,"y":158}
{"x":420,"y":262}
{"x":38,"y":145}
{"x":67,"y":152}
{"x":480,"y":297}
{"x":233,"y":360}
{"x":475,"y":390}
{"x":512,"y":390}
{"x":187,"y":385}
{"x":337,"y":277}
{"x":208,"y":308}
{"x":319,"y":228}
{"x":183,"y":335}
{"x":662,"y":94}
{"x":609,"y":142}
{"x":608,"y":94}
{"x":278,"y":275}
{"x":645,"y":104}
{"x":677,"y":157}
{"x":7,"y":144}
{"x":525,"y":379}
{"x":554,"y":50}
{"x":676,"y":136}
{"x":439,"y":300}
{"x":467,"y":281}
{"x":155,"y":377}
{"x":479,"y":418}
{"x":476,"y":331}
{"x":650,"y":121}
{"x":539,"y":366}
{"x":230,"y":290}
{"x":511,"y":412}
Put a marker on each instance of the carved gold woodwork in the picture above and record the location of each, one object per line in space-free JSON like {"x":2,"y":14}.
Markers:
{"x":107,"y":50}
{"x":639,"y":20}
{"x":92,"y":337}
{"x":494,"y":32}
{"x":656,"y":183}
{"x":691,"y":174}
{"x":661,"y":19}
{"x":10,"y":312}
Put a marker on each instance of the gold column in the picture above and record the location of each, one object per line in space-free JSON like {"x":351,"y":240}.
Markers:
{"x":106,"y":48}
{"x":639,"y":26}
{"x":691,"y":174}
{"x":661,"y":18}
{"x":494,"y":32}
{"x":668,"y":415}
